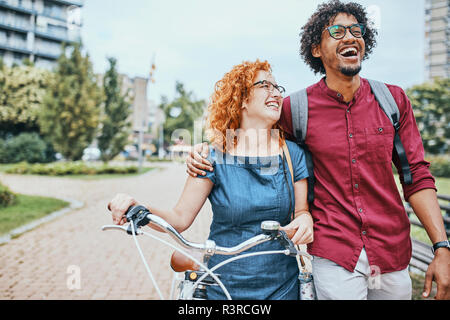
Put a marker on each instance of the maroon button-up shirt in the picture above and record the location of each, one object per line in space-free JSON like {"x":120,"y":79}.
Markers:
{"x":357,"y":203}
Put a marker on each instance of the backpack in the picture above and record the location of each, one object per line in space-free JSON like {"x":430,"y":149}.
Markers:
{"x":299,"y":111}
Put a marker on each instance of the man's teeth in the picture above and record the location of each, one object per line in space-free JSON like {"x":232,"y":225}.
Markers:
{"x":273,"y":105}
{"x":349,"y":50}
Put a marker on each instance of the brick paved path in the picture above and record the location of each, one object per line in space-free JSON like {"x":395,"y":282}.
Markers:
{"x":41,"y":263}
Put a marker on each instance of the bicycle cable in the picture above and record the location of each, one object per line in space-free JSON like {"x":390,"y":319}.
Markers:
{"x":221,"y":264}
{"x":145,"y":262}
{"x":208,"y":271}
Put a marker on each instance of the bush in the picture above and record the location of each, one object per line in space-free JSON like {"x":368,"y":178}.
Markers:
{"x":7,"y":197}
{"x":440,"y":166}
{"x":69,"y":168}
{"x":29,"y":147}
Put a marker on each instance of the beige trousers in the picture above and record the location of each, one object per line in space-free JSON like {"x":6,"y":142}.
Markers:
{"x":333,"y":282}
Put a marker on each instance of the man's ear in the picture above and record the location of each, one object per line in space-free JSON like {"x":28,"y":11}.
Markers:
{"x":315,"y":51}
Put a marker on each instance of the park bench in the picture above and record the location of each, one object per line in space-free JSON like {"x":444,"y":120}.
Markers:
{"x":421,"y":252}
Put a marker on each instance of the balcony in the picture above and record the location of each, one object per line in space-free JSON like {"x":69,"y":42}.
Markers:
{"x":18,"y":25}
{"x":78,"y":3}
{"x":59,"y":36}
{"x":15,"y":46}
{"x":48,"y":55}
{"x":54,"y":14}
{"x":22,"y":9}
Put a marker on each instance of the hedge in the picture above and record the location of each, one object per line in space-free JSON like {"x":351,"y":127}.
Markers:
{"x":440,"y":166}
{"x":69,"y":168}
{"x":7,"y":197}
{"x":29,"y":147}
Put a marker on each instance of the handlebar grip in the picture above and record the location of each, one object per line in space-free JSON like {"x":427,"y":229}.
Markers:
{"x":137,"y":214}
{"x":134,"y":212}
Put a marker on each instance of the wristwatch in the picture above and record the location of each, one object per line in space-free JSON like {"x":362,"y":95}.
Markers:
{"x":441,"y":244}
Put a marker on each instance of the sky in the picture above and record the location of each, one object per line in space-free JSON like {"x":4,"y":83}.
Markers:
{"x":197,"y":41}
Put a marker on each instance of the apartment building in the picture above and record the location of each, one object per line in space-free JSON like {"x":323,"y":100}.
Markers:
{"x":437,"y":39}
{"x":35,"y":29}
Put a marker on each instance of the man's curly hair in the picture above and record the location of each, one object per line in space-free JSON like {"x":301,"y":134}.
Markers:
{"x":311,"y":33}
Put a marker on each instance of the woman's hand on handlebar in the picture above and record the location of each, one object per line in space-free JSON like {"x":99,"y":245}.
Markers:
{"x":119,"y":206}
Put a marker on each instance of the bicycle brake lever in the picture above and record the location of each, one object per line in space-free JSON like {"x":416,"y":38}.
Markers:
{"x":138,"y":217}
{"x":287,"y":243}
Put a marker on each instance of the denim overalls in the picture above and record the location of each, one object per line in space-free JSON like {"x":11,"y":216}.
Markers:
{"x":247,"y":191}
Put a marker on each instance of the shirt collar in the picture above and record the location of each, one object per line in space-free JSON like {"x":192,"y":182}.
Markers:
{"x":337,"y":96}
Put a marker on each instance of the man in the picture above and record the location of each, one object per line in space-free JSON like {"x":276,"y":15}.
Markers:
{"x":362,"y":244}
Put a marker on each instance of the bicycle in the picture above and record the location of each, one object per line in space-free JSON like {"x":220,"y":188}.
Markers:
{"x":192,"y":261}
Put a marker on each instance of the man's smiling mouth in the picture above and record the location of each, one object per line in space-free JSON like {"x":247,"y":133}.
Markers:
{"x":348,"y":52}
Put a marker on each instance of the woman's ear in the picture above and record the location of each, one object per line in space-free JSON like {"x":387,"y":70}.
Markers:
{"x":245,"y":103}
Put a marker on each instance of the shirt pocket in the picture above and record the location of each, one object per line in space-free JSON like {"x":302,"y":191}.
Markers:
{"x":379,"y":143}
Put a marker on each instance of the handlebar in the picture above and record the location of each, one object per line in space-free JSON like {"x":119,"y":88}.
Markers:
{"x":140,"y":216}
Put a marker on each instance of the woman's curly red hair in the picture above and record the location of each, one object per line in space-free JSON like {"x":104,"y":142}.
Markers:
{"x":229,"y":94}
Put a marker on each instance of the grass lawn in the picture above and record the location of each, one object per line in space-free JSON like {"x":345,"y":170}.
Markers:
{"x":27,"y":209}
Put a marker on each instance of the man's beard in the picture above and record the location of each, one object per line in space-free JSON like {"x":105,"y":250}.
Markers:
{"x":350,"y":71}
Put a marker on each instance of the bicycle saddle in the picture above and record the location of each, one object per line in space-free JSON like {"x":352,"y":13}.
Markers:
{"x":180,"y":263}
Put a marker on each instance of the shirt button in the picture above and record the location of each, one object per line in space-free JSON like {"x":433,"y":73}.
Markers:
{"x":360,"y":210}
{"x":380,"y":129}
{"x":350,"y":135}
{"x":356,"y":186}
{"x":353,"y":160}
{"x":339,"y":95}
{"x":364,"y":233}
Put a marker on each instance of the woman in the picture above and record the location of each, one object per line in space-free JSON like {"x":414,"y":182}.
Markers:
{"x":249,"y":184}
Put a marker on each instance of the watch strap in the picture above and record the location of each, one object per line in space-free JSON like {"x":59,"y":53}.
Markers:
{"x":441,"y":244}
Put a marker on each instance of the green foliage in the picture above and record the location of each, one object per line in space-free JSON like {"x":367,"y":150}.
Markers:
{"x":22,"y":90}
{"x":28,"y":147}
{"x":7,"y":197}
{"x":440,"y":165}
{"x":115,"y":127}
{"x":69,"y":168}
{"x":181,"y":113}
{"x":70,"y":110}
{"x":431,"y":105}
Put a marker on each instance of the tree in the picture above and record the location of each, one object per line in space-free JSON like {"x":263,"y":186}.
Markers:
{"x":70,"y":110}
{"x":115,"y":122}
{"x":22,"y":90}
{"x":431,"y":105}
{"x":181,"y":113}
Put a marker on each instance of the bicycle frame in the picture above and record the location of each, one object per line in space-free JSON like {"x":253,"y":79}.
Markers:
{"x":208,"y":249}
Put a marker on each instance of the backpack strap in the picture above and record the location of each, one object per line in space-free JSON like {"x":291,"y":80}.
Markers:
{"x":390,"y":108}
{"x":299,"y":111}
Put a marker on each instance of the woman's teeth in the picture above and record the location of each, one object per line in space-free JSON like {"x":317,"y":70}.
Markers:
{"x":273,"y":105}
